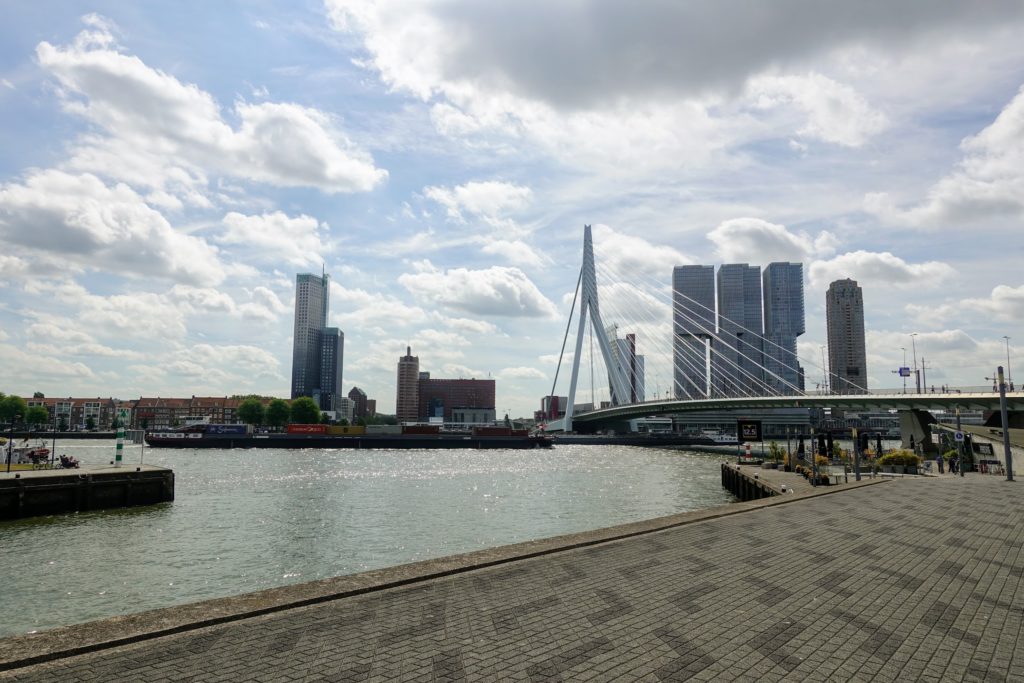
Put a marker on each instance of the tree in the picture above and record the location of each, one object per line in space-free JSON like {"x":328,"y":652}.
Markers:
{"x":90,"y":423}
{"x":11,"y":406}
{"x":305,"y":411}
{"x":37,"y":415}
{"x":251,"y":411}
{"x":277,"y":413}
{"x":38,"y":394}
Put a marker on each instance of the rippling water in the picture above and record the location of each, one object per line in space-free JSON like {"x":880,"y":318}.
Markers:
{"x":245,"y":520}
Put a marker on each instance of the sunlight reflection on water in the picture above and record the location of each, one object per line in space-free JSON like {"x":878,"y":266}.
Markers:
{"x":245,"y":520}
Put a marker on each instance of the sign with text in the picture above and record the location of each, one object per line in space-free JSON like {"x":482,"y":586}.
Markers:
{"x":748,"y":430}
{"x":904,"y":372}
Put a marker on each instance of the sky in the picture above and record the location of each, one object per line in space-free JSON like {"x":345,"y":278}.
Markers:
{"x":168,"y":168}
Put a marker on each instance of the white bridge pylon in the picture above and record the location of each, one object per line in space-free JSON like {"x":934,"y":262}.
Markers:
{"x":588,"y":304}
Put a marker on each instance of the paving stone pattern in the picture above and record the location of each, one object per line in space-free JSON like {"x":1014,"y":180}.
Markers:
{"x":909,"y":580}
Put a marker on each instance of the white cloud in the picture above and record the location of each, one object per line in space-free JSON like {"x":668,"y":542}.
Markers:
{"x":365,"y":308}
{"x":273,"y":237}
{"x":497,"y":291}
{"x":627,"y":255}
{"x":752,"y":240}
{"x":13,"y":267}
{"x":101,"y":227}
{"x":517,"y":252}
{"x":22,"y":368}
{"x":988,"y":183}
{"x":521,"y":372}
{"x":490,"y":200}
{"x":1004,"y":303}
{"x":151,"y":121}
{"x":884,"y":268}
{"x":264,"y":305}
{"x":470,"y":326}
{"x":835,"y":112}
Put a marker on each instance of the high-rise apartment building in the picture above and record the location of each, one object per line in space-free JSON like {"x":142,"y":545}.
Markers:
{"x":847,"y":352}
{"x":312,"y":293}
{"x":332,"y":361}
{"x":693,"y":328}
{"x":407,"y":402}
{"x":783,"y":292}
{"x":736,"y":365}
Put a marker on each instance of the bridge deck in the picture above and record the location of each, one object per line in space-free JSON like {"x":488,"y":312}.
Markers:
{"x":919,"y":579}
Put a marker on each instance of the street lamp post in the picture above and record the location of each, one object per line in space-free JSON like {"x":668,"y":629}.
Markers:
{"x":1009,"y":373}
{"x":917,"y":377}
{"x":903,"y":366}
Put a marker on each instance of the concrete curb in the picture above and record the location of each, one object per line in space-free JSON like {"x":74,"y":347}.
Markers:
{"x":67,"y":641}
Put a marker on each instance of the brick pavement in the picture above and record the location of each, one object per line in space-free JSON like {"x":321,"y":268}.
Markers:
{"x":917,"y":579}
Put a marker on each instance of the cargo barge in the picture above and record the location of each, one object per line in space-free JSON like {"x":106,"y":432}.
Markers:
{"x":325,"y":436}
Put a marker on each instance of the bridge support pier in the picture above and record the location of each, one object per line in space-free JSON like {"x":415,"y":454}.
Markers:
{"x":916,"y":423}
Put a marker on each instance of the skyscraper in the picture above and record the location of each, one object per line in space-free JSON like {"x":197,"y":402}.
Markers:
{"x":847,"y":352}
{"x":630,"y":365}
{"x":407,"y":399}
{"x":736,"y":367}
{"x":332,"y":357}
{"x":783,"y":291}
{"x":693,"y":327}
{"x":311,"y":303}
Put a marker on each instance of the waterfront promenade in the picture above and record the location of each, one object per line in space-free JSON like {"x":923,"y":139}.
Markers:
{"x":917,"y":579}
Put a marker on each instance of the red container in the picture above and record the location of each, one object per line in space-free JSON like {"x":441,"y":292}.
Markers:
{"x":492,"y":431}
{"x":421,"y":429}
{"x":307,"y":429}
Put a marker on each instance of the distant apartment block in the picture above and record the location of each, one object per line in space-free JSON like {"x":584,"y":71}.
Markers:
{"x":693,"y":328}
{"x":407,"y":400}
{"x":736,"y":367}
{"x":783,"y":292}
{"x":847,"y":351}
{"x":317,"y":350}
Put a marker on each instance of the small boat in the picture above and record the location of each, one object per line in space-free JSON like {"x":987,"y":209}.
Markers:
{"x":719,"y":437}
{"x":29,"y":455}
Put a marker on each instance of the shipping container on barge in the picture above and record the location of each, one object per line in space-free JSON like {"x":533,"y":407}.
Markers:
{"x":332,"y":436}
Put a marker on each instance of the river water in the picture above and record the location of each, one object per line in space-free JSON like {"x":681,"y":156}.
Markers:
{"x":245,"y":520}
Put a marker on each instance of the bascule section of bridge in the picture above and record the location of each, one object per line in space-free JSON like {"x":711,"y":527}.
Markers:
{"x":712,"y":345}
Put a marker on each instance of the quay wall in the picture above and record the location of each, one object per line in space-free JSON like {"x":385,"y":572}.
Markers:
{"x":49,"y":492}
{"x":744,"y":485}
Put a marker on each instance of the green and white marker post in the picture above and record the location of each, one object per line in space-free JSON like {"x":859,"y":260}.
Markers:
{"x":120,"y":444}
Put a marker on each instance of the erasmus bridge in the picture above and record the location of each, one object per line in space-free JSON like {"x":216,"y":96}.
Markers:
{"x":745,"y":381}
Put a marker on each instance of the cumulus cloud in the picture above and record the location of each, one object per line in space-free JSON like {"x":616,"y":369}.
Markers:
{"x":497,"y":291}
{"x":101,"y":227}
{"x":173,"y":131}
{"x":365,"y":308}
{"x":521,"y":372}
{"x":22,"y":368}
{"x":517,"y":252}
{"x":752,"y":240}
{"x":274,"y":237}
{"x":988,"y":183}
{"x":1004,"y":303}
{"x":490,"y":200}
{"x":135,"y":316}
{"x":651,"y":50}
{"x":834,"y":112}
{"x":883,"y":268}
{"x":638,"y":87}
{"x":626,"y":255}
